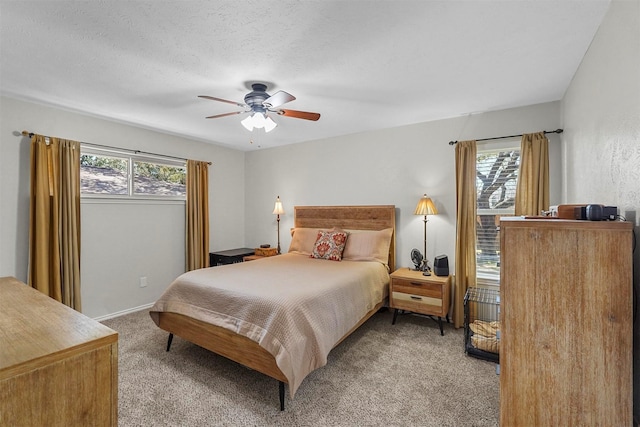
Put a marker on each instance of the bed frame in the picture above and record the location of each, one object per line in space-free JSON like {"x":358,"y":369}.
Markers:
{"x":249,"y":353}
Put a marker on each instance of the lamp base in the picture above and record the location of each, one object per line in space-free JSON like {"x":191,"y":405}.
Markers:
{"x":278,"y":234}
{"x":426,"y":270}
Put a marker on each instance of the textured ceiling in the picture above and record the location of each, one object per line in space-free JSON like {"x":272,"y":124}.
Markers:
{"x":364,"y":65}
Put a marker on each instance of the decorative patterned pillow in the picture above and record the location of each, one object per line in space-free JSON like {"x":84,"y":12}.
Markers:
{"x":329,"y":245}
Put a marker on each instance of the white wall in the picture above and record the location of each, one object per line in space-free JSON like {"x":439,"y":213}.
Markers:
{"x":393,"y":166}
{"x":120,"y":242}
{"x":601,"y":115}
{"x":132,"y":240}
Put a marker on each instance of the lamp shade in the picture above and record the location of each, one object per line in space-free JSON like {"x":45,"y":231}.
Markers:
{"x":259,"y":120}
{"x":248,"y":123}
{"x":426,"y":207}
{"x":269,"y":124}
{"x":278,"y":209}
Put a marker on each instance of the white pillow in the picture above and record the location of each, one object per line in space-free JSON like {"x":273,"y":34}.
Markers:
{"x":368,"y":245}
{"x":303,"y":240}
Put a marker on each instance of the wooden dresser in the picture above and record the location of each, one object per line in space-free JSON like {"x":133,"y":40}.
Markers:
{"x":566,"y":323}
{"x":57,"y":366}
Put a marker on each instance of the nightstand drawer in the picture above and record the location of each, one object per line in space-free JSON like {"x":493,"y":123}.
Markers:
{"x":422,"y":288}
{"x":401,"y":298}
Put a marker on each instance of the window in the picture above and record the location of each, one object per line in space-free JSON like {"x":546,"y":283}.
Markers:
{"x":155,"y":179}
{"x":101,"y":174}
{"x":496,"y":181}
{"x":107,"y":173}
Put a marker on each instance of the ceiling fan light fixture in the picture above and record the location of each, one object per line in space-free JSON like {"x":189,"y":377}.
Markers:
{"x":258,"y":120}
{"x":248,"y":123}
{"x":258,"y":104}
{"x":269,"y":124}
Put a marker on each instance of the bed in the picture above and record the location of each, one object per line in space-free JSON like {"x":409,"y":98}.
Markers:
{"x":282,"y":315}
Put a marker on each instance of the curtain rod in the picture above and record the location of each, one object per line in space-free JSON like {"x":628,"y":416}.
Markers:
{"x":509,"y":136}
{"x":30,"y":134}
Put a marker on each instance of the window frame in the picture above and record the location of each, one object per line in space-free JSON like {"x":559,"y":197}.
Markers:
{"x":512,"y":144}
{"x":131,"y":159}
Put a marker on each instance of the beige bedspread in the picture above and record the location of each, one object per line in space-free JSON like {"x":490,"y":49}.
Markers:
{"x":295,"y":307}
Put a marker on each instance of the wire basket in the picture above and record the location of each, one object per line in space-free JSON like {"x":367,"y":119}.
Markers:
{"x":482,"y":323}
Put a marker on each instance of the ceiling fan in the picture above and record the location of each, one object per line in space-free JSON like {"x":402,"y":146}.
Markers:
{"x":259,"y":103}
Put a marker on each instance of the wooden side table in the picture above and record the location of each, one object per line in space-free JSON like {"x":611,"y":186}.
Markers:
{"x":230,"y":256}
{"x":411,"y":291}
{"x":253,"y":257}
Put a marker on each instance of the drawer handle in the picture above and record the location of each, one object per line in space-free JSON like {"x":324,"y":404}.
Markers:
{"x":415,"y":297}
{"x":416,"y":283}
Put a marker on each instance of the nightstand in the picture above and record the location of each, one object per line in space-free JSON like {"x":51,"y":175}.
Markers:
{"x":230,"y":256}
{"x":261,"y":253}
{"x":411,"y":291}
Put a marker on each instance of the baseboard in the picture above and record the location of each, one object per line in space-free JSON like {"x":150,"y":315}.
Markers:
{"x":123,"y":312}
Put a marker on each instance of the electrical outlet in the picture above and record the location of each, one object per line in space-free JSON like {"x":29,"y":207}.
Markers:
{"x":143,"y":282}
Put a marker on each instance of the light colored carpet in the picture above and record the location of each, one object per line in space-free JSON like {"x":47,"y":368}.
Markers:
{"x":400,"y":375}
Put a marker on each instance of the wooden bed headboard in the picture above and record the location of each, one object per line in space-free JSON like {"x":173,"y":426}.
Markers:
{"x":375,"y":217}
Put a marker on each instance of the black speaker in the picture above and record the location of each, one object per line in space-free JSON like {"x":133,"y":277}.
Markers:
{"x":441,"y":265}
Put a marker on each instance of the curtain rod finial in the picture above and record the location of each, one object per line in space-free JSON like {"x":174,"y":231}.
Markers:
{"x":453,"y":142}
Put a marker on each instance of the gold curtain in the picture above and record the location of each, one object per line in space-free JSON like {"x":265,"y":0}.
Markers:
{"x":197,"y":211}
{"x":54,"y":233}
{"x":465,"y":271}
{"x":532,"y":191}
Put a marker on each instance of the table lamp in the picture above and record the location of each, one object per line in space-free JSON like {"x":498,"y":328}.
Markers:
{"x":278,"y":210}
{"x":425,"y":207}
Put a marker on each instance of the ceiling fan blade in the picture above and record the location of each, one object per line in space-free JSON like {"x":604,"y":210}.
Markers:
{"x":299,"y":114}
{"x":213,"y":98}
{"x":277,"y":99}
{"x":225,"y":115}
